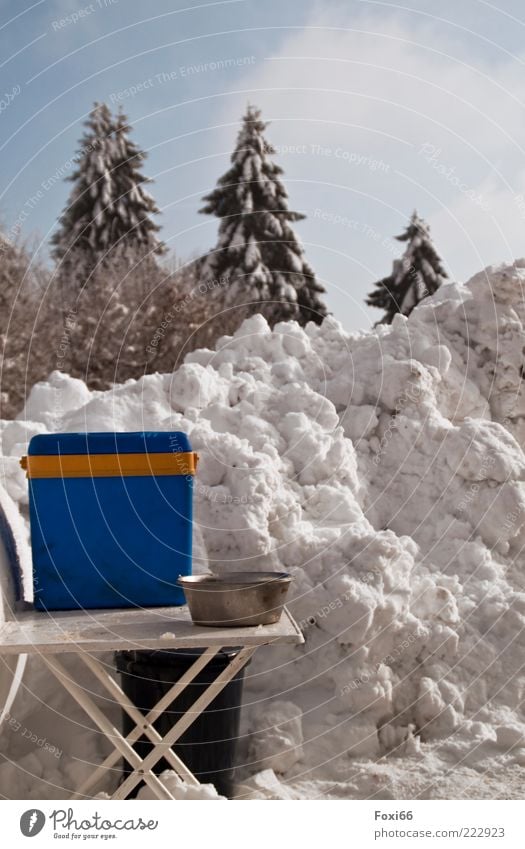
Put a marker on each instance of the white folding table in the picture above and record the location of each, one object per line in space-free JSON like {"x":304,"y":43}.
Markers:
{"x":87,"y":632}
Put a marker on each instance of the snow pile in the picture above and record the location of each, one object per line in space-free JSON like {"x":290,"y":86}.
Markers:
{"x":279,"y":736}
{"x":384,"y":470}
{"x":180,"y":790}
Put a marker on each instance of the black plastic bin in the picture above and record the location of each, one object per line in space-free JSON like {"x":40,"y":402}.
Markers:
{"x":208,"y":746}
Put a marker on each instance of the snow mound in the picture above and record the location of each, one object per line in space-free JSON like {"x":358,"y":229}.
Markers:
{"x":180,"y":790}
{"x":385,"y":470}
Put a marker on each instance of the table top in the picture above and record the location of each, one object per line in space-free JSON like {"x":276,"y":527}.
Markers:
{"x":37,"y":632}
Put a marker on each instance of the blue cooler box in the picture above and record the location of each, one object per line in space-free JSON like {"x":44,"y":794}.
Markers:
{"x":111,"y":518}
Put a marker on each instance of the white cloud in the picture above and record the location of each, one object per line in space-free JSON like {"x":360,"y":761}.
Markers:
{"x":378,"y":90}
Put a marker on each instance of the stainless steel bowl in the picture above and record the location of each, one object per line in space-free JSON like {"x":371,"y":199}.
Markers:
{"x":236,"y":598}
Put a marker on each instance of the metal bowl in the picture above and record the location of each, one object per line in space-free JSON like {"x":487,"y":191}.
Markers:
{"x":236,"y":598}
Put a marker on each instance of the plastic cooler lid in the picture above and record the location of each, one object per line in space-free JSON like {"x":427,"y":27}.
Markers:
{"x":139,"y":442}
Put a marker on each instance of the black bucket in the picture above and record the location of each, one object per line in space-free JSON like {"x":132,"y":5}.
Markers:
{"x":208,"y":746}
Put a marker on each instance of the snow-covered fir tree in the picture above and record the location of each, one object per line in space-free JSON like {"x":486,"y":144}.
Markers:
{"x":259,"y":259}
{"x":134,"y":204}
{"x":108,"y":211}
{"x":416,"y":275}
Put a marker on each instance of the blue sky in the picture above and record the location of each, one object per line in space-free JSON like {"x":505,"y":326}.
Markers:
{"x":376,"y":108}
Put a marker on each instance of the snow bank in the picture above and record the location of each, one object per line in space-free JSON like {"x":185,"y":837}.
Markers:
{"x":385,"y":470}
{"x":180,"y":790}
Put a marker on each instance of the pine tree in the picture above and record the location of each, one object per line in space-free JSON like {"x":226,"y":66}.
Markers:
{"x":108,"y":211}
{"x":258,"y":256}
{"x":134,"y":204}
{"x":416,"y":275}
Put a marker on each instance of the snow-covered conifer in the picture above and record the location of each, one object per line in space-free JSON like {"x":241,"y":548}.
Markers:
{"x":415,"y":275}
{"x":108,"y":211}
{"x":258,"y":258}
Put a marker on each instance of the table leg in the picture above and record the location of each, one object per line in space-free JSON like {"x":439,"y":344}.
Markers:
{"x":143,"y":723}
{"x":185,"y":721}
{"x":105,"y":726}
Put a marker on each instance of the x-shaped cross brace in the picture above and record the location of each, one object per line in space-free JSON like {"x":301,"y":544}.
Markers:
{"x":162,"y":747}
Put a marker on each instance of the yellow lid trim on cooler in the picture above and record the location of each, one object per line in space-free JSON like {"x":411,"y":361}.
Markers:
{"x":109,"y":465}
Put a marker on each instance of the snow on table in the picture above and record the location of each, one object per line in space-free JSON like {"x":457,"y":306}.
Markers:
{"x":131,"y":629}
